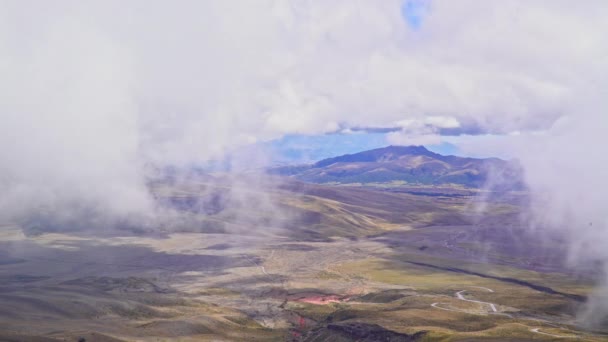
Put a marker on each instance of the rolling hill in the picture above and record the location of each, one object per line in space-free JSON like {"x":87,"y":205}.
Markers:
{"x":409,"y":164}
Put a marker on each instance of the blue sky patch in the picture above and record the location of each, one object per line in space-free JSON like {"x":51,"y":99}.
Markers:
{"x":297,"y":148}
{"x":414,"y":11}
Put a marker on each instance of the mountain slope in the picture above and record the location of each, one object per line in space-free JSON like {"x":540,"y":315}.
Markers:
{"x":411,"y":164}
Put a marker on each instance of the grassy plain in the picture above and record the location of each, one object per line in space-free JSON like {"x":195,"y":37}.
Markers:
{"x":256,"y":266}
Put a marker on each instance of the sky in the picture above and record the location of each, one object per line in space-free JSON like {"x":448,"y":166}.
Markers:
{"x":89,"y":86}
{"x":94,"y":93}
{"x":186,"y":82}
{"x":297,"y":148}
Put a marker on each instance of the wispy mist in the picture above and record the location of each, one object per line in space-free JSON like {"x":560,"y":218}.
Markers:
{"x":94,"y":93}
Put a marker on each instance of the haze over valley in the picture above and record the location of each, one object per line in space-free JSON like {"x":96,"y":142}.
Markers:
{"x":253,"y":255}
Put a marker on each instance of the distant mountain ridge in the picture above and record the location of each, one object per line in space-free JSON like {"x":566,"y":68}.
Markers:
{"x":378,"y":155}
{"x":411,"y":164}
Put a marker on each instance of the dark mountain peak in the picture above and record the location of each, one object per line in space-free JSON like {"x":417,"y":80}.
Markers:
{"x":409,"y":165}
{"x":383,"y":154}
{"x":416,"y":150}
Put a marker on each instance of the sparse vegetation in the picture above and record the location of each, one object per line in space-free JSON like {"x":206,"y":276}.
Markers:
{"x":385,"y":259}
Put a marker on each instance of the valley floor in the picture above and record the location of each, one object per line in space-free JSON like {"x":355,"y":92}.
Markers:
{"x":432,"y":283}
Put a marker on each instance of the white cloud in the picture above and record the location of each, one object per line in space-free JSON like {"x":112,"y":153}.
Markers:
{"x":404,"y":138}
{"x":203,"y":71}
